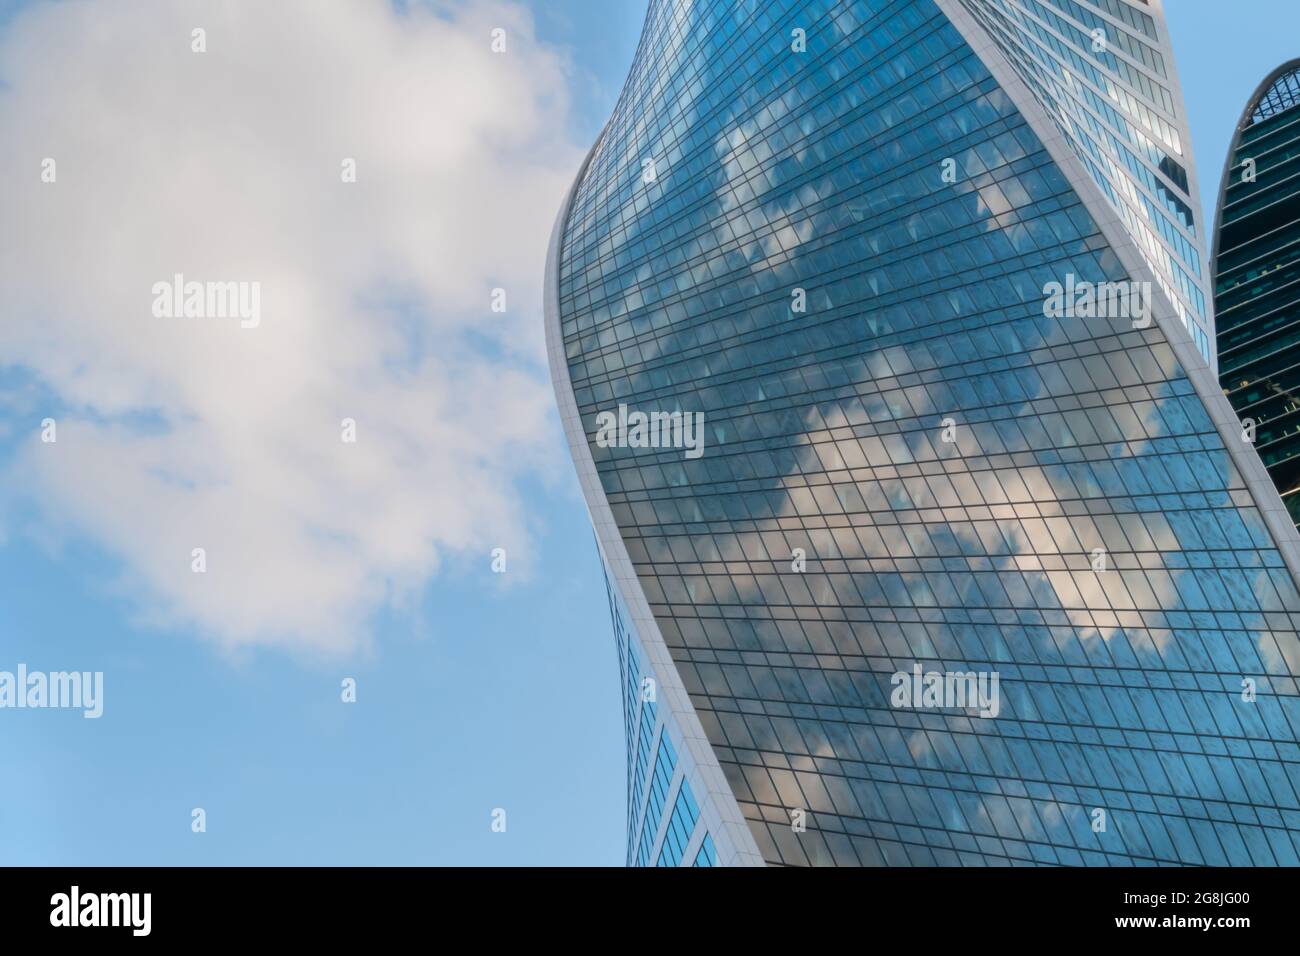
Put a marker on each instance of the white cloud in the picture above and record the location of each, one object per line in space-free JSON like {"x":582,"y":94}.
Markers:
{"x":183,"y":433}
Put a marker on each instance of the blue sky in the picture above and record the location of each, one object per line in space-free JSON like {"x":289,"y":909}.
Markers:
{"x":474,"y":691}
{"x":486,"y":693}
{"x":1224,"y":51}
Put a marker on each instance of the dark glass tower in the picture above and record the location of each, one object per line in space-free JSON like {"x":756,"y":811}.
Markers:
{"x":1256,"y":267}
{"x":948,"y":575}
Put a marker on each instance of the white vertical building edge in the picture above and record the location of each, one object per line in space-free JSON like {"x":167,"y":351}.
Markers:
{"x":1204,"y":379}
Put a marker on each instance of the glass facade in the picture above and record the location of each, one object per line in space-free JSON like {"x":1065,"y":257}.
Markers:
{"x":1101,"y":72}
{"x":826,"y":227}
{"x":650,"y":784}
{"x":1256,"y":268}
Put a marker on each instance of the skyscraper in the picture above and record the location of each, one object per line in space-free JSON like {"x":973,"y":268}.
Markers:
{"x":1256,"y":264}
{"x":880,"y":337}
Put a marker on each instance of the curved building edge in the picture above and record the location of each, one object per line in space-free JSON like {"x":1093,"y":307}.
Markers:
{"x":719,"y":813}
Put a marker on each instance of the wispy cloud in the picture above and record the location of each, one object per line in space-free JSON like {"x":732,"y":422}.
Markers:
{"x":180,"y":433}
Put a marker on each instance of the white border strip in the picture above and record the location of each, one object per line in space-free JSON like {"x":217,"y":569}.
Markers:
{"x":1203,"y":378}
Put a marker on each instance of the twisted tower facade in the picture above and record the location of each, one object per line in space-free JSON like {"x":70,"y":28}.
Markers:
{"x":882,"y":344}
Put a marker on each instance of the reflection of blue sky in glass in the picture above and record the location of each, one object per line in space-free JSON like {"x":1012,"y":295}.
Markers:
{"x":824,"y":175}
{"x":479,"y":698}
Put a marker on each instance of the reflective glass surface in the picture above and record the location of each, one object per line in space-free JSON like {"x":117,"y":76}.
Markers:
{"x":1100,"y":74}
{"x":919,"y":468}
{"x":1257,"y":280}
{"x":650,"y":784}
